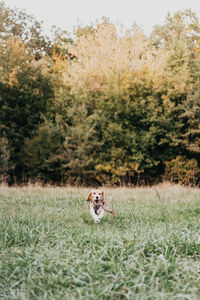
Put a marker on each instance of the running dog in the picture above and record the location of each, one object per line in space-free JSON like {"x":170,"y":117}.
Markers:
{"x":97,"y":205}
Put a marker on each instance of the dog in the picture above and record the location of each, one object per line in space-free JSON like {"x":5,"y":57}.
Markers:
{"x":97,"y":205}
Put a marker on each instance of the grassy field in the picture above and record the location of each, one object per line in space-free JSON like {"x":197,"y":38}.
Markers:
{"x":51,"y":249}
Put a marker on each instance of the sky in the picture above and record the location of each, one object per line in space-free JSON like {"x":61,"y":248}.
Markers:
{"x":67,"y":14}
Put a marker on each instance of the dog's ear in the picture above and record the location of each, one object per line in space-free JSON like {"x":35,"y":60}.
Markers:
{"x":102,"y":195}
{"x":89,"y":198}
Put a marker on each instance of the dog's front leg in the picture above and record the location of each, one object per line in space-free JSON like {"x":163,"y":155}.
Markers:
{"x":101,"y":215}
{"x":95,"y":217}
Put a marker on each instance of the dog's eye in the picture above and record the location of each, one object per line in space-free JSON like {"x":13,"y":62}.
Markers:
{"x":94,"y":193}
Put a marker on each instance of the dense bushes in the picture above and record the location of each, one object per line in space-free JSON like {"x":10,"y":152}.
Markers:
{"x":107,"y":107}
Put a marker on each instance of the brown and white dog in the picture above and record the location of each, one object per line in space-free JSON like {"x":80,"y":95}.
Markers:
{"x":97,"y":205}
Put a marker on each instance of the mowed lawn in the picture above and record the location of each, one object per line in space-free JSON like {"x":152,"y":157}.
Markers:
{"x":50,"y":247}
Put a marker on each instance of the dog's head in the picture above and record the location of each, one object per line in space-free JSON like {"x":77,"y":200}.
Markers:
{"x":96,"y":196}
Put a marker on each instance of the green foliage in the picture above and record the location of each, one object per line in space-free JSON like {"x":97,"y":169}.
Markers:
{"x":81,"y":146}
{"x":4,"y":160}
{"x":41,"y":158}
{"x":103,"y":108}
{"x":190,"y":137}
{"x":25,"y":86}
{"x":22,"y":106}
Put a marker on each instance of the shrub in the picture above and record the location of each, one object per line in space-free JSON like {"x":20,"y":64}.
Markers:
{"x":181,"y":170}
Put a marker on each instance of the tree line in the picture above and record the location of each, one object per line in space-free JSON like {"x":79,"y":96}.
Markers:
{"x":101,"y":106}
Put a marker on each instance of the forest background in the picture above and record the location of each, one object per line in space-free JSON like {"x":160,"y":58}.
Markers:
{"x":103,"y":105}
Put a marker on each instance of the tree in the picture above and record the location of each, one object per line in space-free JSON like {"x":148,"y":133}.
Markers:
{"x":16,"y":24}
{"x":180,"y":24}
{"x":25,"y":95}
{"x":81,"y":146}
{"x":4,"y":160}
{"x":42,"y":153}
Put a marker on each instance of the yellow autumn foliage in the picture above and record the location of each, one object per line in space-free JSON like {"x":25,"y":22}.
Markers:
{"x":109,"y":62}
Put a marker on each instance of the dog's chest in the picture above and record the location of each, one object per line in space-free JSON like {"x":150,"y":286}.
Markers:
{"x":97,"y":209}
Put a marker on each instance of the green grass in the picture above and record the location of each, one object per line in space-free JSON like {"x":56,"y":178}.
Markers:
{"x":50,"y":247}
